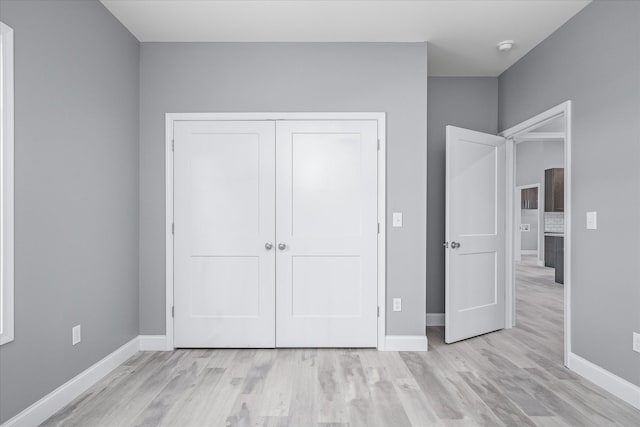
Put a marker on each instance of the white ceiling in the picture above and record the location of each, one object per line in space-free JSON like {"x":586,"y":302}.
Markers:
{"x":462,"y":34}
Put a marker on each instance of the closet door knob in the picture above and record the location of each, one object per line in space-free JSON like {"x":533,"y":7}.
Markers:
{"x":268,"y":246}
{"x":282,"y":246}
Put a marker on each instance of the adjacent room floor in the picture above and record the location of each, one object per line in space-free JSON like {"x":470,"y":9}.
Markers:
{"x":511,"y":377}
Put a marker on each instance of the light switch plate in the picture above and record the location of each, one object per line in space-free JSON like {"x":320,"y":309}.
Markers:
{"x":76,"y":335}
{"x":397,"y":304}
{"x":636,"y":342}
{"x":397,"y":219}
{"x":592,"y":220}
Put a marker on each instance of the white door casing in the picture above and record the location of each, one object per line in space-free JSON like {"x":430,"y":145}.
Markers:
{"x":224,"y":214}
{"x":475,"y":234}
{"x":326,"y":199}
{"x":223,"y":261}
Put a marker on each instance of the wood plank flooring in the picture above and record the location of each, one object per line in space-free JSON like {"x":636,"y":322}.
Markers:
{"x":512,"y":377}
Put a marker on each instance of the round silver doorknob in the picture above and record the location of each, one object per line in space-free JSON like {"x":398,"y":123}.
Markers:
{"x":268,"y":246}
{"x":282,"y":246}
{"x":455,"y":245}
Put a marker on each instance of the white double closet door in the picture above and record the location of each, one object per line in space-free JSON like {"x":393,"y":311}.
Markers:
{"x":275,"y":241}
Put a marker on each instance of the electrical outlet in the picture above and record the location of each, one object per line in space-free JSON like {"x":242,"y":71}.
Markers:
{"x":636,"y":342}
{"x":397,"y":304}
{"x":76,"y":335}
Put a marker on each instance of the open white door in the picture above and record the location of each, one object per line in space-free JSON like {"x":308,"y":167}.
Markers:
{"x":475,"y":234}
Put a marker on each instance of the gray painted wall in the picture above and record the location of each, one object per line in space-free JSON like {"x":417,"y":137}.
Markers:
{"x":532,"y":158}
{"x":594,"y":60}
{"x":76,"y":194}
{"x":228,"y":77}
{"x":469,"y":102}
{"x":529,"y":239}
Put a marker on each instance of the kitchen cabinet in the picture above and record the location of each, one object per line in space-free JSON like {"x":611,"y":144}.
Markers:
{"x":554,"y":256}
{"x":529,"y":198}
{"x":554,"y":190}
{"x":549,"y":251}
{"x":559,"y":262}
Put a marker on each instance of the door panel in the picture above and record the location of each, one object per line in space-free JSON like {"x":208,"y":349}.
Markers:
{"x":326,"y":286}
{"x":475,"y":220}
{"x":325,"y":203}
{"x":326,"y":192}
{"x":224,"y":213}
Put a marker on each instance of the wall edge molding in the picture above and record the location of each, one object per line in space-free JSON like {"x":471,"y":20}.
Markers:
{"x":612,"y":383}
{"x":434,"y":319}
{"x":406,"y":343}
{"x":153,"y":343}
{"x":51,"y":403}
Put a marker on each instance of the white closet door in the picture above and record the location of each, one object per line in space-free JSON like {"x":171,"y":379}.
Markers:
{"x":326,"y":192}
{"x":224,"y":214}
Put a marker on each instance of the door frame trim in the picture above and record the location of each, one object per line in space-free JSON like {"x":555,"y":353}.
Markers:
{"x":561,"y":110}
{"x":171,"y":118}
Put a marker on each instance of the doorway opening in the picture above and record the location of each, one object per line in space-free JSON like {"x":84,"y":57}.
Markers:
{"x":539,"y":158}
{"x":481,"y":241}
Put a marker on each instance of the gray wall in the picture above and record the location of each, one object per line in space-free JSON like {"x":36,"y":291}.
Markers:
{"x":594,"y":60}
{"x":228,"y":77}
{"x":529,"y":239}
{"x":532,"y":158}
{"x":469,"y":102}
{"x":76,"y":194}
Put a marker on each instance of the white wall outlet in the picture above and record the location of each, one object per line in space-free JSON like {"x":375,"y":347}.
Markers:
{"x":592,"y":220}
{"x":636,"y":342}
{"x":397,"y":219}
{"x":397,"y":304}
{"x":76,"y":335}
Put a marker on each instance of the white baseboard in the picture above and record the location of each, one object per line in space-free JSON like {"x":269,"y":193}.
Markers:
{"x":153,"y":343}
{"x":435,"y":319}
{"x":63,"y":395}
{"x":615,"y":385}
{"x":406,"y":343}
{"x":529,"y":252}
{"x":540,"y":263}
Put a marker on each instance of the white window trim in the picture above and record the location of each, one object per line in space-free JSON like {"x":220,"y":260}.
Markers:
{"x":6,"y":286}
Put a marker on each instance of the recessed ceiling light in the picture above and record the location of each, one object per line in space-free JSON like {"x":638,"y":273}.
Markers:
{"x":505,"y":45}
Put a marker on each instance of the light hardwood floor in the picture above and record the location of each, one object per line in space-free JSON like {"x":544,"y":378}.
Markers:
{"x":513,"y":377}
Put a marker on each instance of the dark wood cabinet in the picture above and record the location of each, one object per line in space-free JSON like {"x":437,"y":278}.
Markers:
{"x":554,"y":190}
{"x":549,"y":251}
{"x":559,"y":263}
{"x":554,"y":255}
{"x":529,"y":198}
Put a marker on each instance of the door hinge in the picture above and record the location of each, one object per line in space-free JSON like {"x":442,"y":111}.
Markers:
{"x":378,"y":228}
{"x":378,"y":311}
{"x":173,"y":143}
{"x":172,"y":311}
{"x":378,"y":144}
{"x":172,"y":228}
